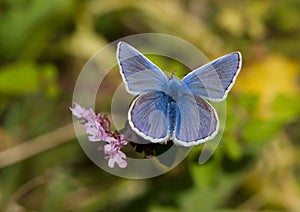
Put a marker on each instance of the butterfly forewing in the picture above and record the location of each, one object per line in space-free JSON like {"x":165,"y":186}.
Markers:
{"x":138,"y":72}
{"x":214,"y":80}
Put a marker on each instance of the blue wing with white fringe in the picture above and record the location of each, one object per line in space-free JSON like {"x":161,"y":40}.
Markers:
{"x":138,"y":72}
{"x":148,"y":116}
{"x":215,"y":79}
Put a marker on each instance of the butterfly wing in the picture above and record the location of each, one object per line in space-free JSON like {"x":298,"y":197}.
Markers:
{"x":215,"y":79}
{"x":148,"y":116}
{"x":196,"y":122}
{"x":139,"y":73}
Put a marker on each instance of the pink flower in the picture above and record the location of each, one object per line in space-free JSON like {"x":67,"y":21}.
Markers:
{"x":114,"y":154}
{"x":78,"y":111}
{"x":98,"y":129}
{"x":92,"y":124}
{"x":96,"y":133}
{"x":117,"y":157}
{"x":91,"y":118}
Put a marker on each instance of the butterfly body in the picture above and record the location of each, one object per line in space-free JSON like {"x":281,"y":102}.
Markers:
{"x":173,"y":114}
{"x":172,"y":109}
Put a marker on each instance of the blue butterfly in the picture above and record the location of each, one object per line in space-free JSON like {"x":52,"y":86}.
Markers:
{"x":172,"y":109}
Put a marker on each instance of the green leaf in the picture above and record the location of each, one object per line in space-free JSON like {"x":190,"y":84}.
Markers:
{"x":286,"y":108}
{"x":162,"y":209}
{"x":20,"y":78}
{"x":25,"y":29}
{"x":203,"y":175}
{"x":258,"y":130}
{"x":233,"y":148}
{"x":210,"y":198}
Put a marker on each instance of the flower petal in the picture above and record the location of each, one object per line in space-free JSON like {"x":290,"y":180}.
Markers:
{"x":98,"y":129}
{"x":111,"y":163}
{"x":77,"y":110}
{"x":119,"y":159}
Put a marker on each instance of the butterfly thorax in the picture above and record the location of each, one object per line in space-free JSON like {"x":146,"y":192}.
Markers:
{"x":173,"y":87}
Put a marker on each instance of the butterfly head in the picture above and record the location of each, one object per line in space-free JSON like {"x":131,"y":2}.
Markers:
{"x":174,"y":73}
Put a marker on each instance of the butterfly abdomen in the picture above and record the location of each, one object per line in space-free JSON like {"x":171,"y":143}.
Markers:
{"x":172,"y":115}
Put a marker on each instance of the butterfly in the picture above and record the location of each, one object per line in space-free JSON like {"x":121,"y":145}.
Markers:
{"x":167,"y":108}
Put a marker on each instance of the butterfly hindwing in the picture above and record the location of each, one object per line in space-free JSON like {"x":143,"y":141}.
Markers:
{"x":148,"y":116}
{"x":196,"y":122}
{"x":139,"y":73}
{"x":214,"y":80}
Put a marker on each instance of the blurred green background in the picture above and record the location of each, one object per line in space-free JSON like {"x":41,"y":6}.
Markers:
{"x":44,"y":45}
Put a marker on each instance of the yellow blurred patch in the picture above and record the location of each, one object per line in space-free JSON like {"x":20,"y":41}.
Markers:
{"x":268,"y":78}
